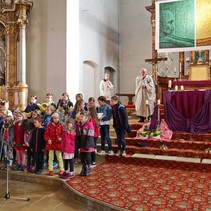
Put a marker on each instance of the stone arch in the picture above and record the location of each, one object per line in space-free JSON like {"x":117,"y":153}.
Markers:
{"x":90,"y":79}
{"x":112,"y":72}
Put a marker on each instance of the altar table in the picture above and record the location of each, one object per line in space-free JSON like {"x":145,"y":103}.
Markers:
{"x":192,"y":85}
{"x":188,"y":111}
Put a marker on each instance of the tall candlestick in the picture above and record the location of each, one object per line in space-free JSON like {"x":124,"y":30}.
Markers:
{"x":182,"y":87}
{"x":158,"y":101}
{"x":176,"y":88}
{"x":158,"y":113}
{"x":169,"y":84}
{"x":147,"y":105}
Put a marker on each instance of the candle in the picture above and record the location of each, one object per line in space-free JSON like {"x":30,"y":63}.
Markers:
{"x":158,"y":101}
{"x":182,"y":87}
{"x":158,"y":113}
{"x":147,"y":102}
{"x":169,"y":83}
{"x":175,"y":70}
{"x":176,"y":88}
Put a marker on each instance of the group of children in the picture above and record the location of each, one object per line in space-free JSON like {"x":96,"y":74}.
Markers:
{"x":60,"y":131}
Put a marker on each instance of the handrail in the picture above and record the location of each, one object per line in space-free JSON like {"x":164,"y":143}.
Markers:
{"x":130,"y":97}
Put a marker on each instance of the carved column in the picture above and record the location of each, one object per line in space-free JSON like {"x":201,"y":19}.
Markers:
{"x":23,"y":9}
{"x":151,"y":9}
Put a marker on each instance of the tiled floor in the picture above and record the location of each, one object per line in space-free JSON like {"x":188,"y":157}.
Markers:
{"x":43,"y":197}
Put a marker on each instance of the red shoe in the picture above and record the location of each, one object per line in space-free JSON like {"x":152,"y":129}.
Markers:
{"x":61,"y":172}
{"x":50,"y":173}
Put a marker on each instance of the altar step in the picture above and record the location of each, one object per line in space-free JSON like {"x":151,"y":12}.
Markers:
{"x":172,"y":158}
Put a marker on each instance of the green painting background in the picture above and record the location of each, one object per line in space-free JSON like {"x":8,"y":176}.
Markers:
{"x":184,"y":18}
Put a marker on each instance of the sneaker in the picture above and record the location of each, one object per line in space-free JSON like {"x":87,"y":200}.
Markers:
{"x":51,"y":173}
{"x":102,"y":152}
{"x":124,"y":154}
{"x":71,"y":176}
{"x":118,"y":153}
{"x":61,"y":172}
{"x":110,"y":152}
{"x":55,"y":164}
{"x":64,"y":175}
{"x":93,"y":164}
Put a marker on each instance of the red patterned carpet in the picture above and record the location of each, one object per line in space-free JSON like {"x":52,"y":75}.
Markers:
{"x":142,"y":184}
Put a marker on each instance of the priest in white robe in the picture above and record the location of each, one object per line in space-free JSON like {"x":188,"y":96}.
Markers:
{"x":144,"y":94}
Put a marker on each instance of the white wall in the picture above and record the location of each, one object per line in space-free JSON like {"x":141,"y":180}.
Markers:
{"x":135,"y":41}
{"x":46,"y":48}
{"x":99,"y":38}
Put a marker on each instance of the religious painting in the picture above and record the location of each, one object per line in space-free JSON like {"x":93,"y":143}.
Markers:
{"x":183,"y":25}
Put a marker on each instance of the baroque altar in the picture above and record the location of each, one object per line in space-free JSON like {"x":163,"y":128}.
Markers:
{"x":13,"y":22}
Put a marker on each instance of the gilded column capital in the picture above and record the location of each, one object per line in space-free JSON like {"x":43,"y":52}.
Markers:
{"x":23,"y":9}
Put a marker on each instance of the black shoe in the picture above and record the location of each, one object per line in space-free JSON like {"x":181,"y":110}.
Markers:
{"x":82,"y":170}
{"x":87,"y":171}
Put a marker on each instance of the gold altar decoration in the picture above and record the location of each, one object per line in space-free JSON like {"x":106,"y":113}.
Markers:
{"x":13,"y":17}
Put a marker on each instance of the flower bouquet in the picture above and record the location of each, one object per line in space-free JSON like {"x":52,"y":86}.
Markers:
{"x":155,"y":134}
{"x":143,"y":133}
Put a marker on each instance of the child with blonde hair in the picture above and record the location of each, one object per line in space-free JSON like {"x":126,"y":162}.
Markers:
{"x":53,"y":138}
{"x":68,"y":148}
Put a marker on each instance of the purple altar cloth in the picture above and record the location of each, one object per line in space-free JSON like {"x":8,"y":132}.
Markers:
{"x":188,"y":111}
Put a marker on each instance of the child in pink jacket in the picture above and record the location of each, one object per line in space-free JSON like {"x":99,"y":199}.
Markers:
{"x":68,"y":148}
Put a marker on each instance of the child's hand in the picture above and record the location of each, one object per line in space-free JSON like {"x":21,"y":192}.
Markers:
{"x":27,"y":144}
{"x":49,"y":142}
{"x":59,"y":139}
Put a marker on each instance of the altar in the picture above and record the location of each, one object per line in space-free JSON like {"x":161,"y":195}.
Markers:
{"x":192,"y":85}
{"x":188,"y":111}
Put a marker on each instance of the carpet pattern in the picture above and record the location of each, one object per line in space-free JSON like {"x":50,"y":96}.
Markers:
{"x":142,"y":184}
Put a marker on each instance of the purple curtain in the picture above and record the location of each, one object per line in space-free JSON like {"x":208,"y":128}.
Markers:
{"x":188,"y":111}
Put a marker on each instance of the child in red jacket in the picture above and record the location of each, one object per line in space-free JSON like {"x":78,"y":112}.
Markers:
{"x":68,"y":148}
{"x":53,"y":138}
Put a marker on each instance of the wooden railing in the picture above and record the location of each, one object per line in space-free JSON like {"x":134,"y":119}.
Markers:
{"x":128,"y":96}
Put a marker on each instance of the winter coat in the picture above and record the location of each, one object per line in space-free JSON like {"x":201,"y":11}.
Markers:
{"x":68,"y":142}
{"x":53,"y":133}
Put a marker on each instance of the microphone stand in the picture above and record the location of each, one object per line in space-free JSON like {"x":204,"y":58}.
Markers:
{"x":8,"y":163}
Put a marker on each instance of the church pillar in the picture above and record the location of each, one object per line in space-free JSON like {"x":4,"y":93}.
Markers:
{"x":22,"y":87}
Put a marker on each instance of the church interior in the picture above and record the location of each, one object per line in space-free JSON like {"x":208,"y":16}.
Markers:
{"x":66,"y":46}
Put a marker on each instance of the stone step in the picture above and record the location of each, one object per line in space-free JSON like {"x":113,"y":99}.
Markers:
{"x":172,"y":158}
{"x":153,"y":151}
